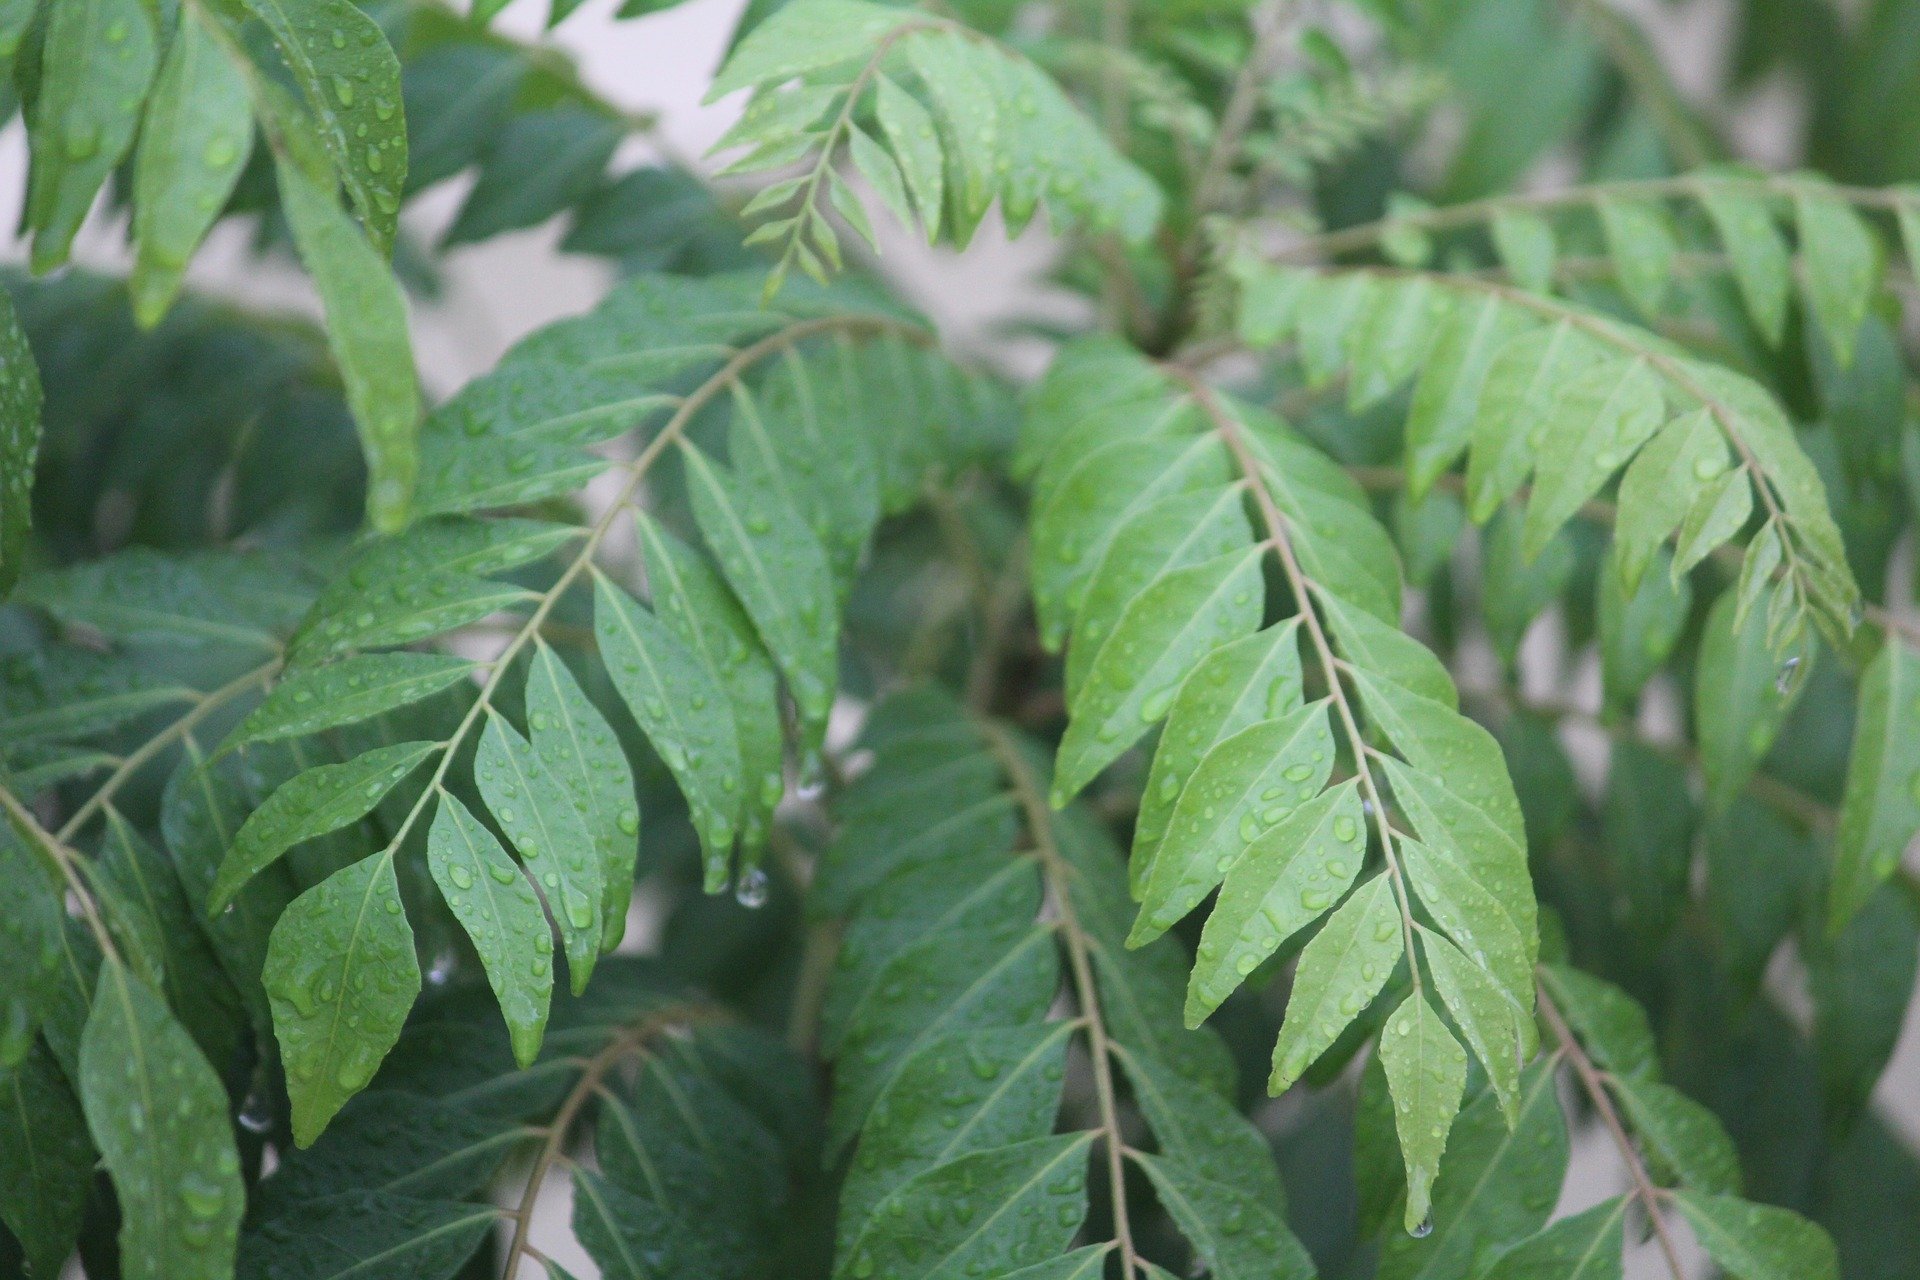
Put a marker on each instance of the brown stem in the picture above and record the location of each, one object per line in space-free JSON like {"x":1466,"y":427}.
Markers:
{"x":1058,"y":873}
{"x":1596,"y":1091}
{"x":631,"y":1040}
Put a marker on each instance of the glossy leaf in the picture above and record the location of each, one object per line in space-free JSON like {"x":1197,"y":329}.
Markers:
{"x":1881,"y":811}
{"x":1341,"y":971}
{"x":312,"y":699}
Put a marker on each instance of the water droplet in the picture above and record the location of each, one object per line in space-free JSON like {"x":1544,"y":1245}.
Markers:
{"x":751,"y":889}
{"x":1422,"y":1229}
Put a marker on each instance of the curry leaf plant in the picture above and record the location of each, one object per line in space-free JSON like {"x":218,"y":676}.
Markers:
{"x":1391,"y":664}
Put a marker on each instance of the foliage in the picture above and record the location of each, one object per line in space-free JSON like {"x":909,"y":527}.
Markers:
{"x":846,"y":812}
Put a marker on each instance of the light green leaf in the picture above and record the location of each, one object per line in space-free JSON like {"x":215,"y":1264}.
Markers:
{"x":1842,"y":261}
{"x":1282,"y":883}
{"x":1524,"y":241}
{"x":805,"y":37}
{"x":915,"y":144}
{"x":366,"y":328}
{"x":349,"y":79}
{"x":1158,"y":641}
{"x":1476,"y":921}
{"x":158,"y":1114}
{"x":46,"y":1160}
{"x":779,"y":571}
{"x":96,"y":63}
{"x":1446,"y":397}
{"x":674,"y":699}
{"x":195,"y":139}
{"x":1340,"y":972}
{"x":1522,"y":383}
{"x":19,"y":443}
{"x":1516,"y":591}
{"x":536,"y":811}
{"x":1255,"y":678}
{"x":322,"y":799}
{"x":1742,"y":693}
{"x":577,"y":747}
{"x":501,"y":913}
{"x":1242,"y":788}
{"x":1597,"y":422}
{"x":1641,"y":245}
{"x":1683,"y":1140}
{"x":356,"y":688}
{"x":1881,"y":811}
{"x":1392,"y":337}
{"x":1584,"y":1246}
{"x":1761,"y":265}
{"x":1427,"y":1074}
{"x":342,"y":975}
{"x":1661,"y":484}
{"x":1719,"y":511}
{"x":880,"y":171}
{"x":1758,"y":1241}
{"x":1485,"y":1015}
{"x":1179,"y":530}
{"x":1234,"y":1235}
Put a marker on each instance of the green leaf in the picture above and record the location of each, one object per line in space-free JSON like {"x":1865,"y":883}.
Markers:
{"x":1234,"y":1235}
{"x":1758,"y":866}
{"x":675,"y":700}
{"x":1608,"y":1021}
{"x":96,"y":64}
{"x":1483,"y":1012}
{"x":1648,"y":825}
{"x":66,"y":693}
{"x":1255,"y":678}
{"x":1341,"y":971}
{"x":1447,"y":395}
{"x":1641,"y":245}
{"x":158,"y":1115}
{"x":1282,"y":882}
{"x":1663,"y":482}
{"x":1201,"y":1132}
{"x":1742,"y":692}
{"x":139,"y":595}
{"x":694,"y":601}
{"x":1242,"y":788}
{"x":349,"y":79}
{"x":577,"y":746}
{"x":1683,"y":1140}
{"x":916,"y":147}
{"x":367,"y":1233}
{"x":1177,"y":531}
{"x":1524,"y":241}
{"x":194,"y":142}
{"x":501,"y":913}
{"x":537,"y":164}
{"x":1842,"y":261}
{"x":1475,"y":919}
{"x":1426,"y":1074}
{"x":1497,"y":1187}
{"x":1391,"y":338}
{"x":1761,"y":265}
{"x":1861,"y":982}
{"x":46,"y":1160}
{"x":1158,"y":641}
{"x":312,"y":699}
{"x":1758,"y":1241}
{"x":1597,"y":421}
{"x":806,"y":37}
{"x":322,"y":799}
{"x":366,"y":328}
{"x":1584,"y":1246}
{"x":1881,"y":811}
{"x":778,"y":570}
{"x":1718,"y":513}
{"x":1522,"y":383}
{"x":1638,"y":627}
{"x":342,"y":975}
{"x":19,"y":443}
{"x":992,"y":1211}
{"x":536,"y":812}
{"x":972,"y":1091}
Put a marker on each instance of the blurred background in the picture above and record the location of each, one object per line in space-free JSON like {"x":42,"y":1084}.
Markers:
{"x":1609,"y":87}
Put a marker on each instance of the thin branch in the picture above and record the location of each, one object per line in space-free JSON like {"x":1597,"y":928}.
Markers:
{"x":205,"y":706}
{"x":1242,"y":100}
{"x":1279,"y":537}
{"x":633,"y":1039}
{"x":1059,"y":873}
{"x":1596,"y":1091}
{"x":66,"y":862}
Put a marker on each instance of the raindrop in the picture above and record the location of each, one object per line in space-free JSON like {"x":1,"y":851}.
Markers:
{"x":751,"y":889}
{"x":1422,"y":1229}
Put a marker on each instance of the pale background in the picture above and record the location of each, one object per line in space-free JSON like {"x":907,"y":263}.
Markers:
{"x":500,"y":290}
